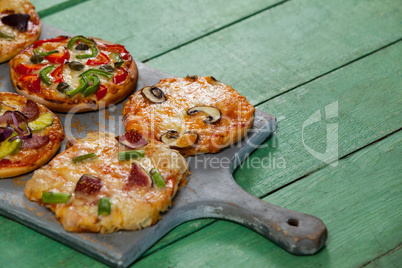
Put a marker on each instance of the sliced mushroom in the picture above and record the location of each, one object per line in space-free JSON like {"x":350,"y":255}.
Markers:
{"x":214,"y":115}
{"x":138,"y":176}
{"x":173,"y":139}
{"x":154,"y":94}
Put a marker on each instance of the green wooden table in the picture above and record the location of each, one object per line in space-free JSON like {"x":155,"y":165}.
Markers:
{"x":329,"y":70}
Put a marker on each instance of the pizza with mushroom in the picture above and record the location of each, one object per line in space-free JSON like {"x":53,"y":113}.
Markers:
{"x":20,"y":26}
{"x":104,"y":183}
{"x":192,"y":114}
{"x":74,"y":74}
{"x":30,"y":134}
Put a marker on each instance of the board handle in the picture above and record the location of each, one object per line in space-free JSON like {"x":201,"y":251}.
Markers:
{"x":296,"y":232}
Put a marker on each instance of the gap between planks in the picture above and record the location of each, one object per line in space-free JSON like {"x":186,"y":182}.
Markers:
{"x":62,"y":6}
{"x":383,"y":255}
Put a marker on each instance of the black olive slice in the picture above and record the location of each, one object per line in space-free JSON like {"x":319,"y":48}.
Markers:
{"x":214,"y":115}
{"x":76,"y":65}
{"x":107,"y":68}
{"x":36,"y":58}
{"x":154,"y":94}
{"x":82,"y":46}
{"x":17,"y":21}
{"x":62,"y":87}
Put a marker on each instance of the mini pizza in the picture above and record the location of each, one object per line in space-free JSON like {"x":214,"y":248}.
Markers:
{"x":30,"y":135}
{"x":75,"y":74}
{"x":20,"y":26}
{"x":192,"y":114}
{"x":103,"y":185}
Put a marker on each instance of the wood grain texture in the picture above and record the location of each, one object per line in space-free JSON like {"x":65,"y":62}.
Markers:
{"x":358,"y":201}
{"x":148,"y":28}
{"x":283,"y":47}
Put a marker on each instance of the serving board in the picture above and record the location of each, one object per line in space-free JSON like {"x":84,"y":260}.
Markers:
{"x":211,"y":191}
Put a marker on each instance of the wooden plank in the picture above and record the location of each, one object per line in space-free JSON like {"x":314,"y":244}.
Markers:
{"x":359,"y":202}
{"x":148,"y":28}
{"x":362,"y":90}
{"x":283,"y":47}
{"x":23,"y":247}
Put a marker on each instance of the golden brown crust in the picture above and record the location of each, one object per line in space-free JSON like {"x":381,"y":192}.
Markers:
{"x":8,"y":49}
{"x":152,"y":120}
{"x":59,"y":102}
{"x":132,"y":206}
{"x":27,"y":160}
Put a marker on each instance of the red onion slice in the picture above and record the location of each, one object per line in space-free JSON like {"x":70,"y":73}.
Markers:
{"x":5,"y":133}
{"x":16,"y":118}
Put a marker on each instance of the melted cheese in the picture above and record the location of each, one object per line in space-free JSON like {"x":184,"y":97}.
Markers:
{"x":152,"y":120}
{"x":132,"y":208}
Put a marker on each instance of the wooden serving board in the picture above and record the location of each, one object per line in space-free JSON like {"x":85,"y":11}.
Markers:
{"x":211,"y":191}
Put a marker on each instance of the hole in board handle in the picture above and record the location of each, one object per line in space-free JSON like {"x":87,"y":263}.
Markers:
{"x":293,"y":222}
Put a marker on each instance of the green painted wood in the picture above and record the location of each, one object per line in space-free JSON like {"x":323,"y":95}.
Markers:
{"x":283,"y":47}
{"x":362,"y":90}
{"x":23,"y":247}
{"x":359,"y":201}
{"x":281,"y":145}
{"x":148,"y":28}
{"x":390,"y":259}
{"x":41,"y":5}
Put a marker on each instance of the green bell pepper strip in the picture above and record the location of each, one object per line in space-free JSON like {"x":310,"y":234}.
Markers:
{"x":81,"y":158}
{"x":6,"y":35}
{"x":44,"y":74}
{"x":94,"y":80}
{"x":127,"y":155}
{"x":44,"y":54}
{"x":104,"y":206}
{"x":97,"y":72}
{"x":87,"y":41}
{"x":158,"y":179}
{"x":118,"y":60}
{"x":83,"y":85}
{"x":54,"y":197}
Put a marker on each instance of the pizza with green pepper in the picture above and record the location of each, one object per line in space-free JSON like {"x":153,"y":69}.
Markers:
{"x":74,"y":74}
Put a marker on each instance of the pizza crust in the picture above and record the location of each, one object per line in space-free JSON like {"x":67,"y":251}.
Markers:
{"x":8,"y":49}
{"x":30,"y":159}
{"x":78,"y":103}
